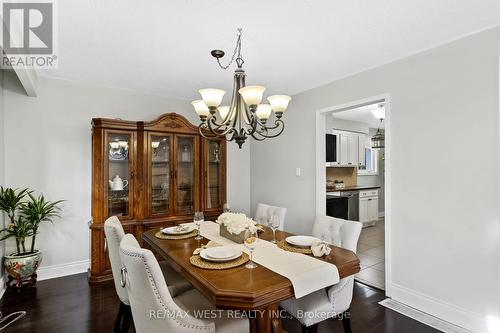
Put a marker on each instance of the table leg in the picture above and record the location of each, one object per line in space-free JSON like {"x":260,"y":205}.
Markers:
{"x":268,"y":320}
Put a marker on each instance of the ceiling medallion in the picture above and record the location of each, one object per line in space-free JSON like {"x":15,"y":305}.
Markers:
{"x":245,"y":116}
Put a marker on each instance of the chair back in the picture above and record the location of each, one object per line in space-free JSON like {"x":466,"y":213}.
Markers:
{"x":114,"y":233}
{"x":266,"y":211}
{"x":338,"y":232}
{"x":153,"y":308}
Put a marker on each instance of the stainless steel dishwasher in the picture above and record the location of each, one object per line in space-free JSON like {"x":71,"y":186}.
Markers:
{"x":352,"y":204}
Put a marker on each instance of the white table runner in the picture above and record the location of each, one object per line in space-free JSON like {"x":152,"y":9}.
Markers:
{"x":307,"y":274}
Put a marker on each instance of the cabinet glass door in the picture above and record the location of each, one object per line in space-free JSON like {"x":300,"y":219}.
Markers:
{"x":118,"y":184}
{"x":185,"y":174}
{"x":213,"y":179}
{"x":160,"y":173}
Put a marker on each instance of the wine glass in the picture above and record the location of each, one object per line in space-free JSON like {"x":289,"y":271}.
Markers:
{"x":250,"y":242}
{"x":198,"y":218}
{"x":274,"y":224}
{"x":225,"y":208}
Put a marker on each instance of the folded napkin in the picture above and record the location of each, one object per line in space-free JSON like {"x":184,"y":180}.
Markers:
{"x":206,"y":246}
{"x":320,"y":249}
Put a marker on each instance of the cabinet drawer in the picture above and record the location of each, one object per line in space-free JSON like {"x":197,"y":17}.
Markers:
{"x":368,"y":193}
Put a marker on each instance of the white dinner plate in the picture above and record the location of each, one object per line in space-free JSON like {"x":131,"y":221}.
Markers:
{"x":220,"y":253}
{"x":302,"y":241}
{"x":177,"y":230}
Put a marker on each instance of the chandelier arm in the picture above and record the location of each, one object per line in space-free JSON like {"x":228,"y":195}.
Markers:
{"x":278,"y":124}
{"x":206,"y":131}
{"x":219,"y":130}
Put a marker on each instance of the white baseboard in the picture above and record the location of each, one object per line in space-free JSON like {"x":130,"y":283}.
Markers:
{"x":54,"y":271}
{"x":437,"y":308}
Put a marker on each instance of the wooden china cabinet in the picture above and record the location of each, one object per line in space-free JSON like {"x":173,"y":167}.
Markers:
{"x":151,"y":175}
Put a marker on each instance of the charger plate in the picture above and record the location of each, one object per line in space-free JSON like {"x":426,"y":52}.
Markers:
{"x":162,"y":235}
{"x":282,"y":244}
{"x":198,"y":261}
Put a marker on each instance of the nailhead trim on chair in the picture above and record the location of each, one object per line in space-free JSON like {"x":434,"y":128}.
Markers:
{"x":158,"y":296}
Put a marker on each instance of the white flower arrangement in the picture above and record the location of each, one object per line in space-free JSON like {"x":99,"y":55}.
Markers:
{"x":236,"y":223}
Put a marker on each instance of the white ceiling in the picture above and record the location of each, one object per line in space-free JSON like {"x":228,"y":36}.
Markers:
{"x":361,"y":114}
{"x":163,"y":47}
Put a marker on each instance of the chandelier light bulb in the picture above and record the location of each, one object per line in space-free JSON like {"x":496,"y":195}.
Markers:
{"x":279,"y":103}
{"x":212,"y":97}
{"x":263,"y":111}
{"x":200,"y":107}
{"x":252,"y":95}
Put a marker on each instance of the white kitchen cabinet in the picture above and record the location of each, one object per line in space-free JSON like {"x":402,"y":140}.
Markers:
{"x":344,"y":149}
{"x":349,"y":149}
{"x":368,"y":206}
{"x":361,"y":151}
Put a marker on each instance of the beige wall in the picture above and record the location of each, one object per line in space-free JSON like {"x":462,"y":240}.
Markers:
{"x":444,"y":167}
{"x":48,"y":148}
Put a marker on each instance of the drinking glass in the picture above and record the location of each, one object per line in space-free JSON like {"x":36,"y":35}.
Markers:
{"x":274,"y":224}
{"x":225,"y":208}
{"x":198,"y":218}
{"x":250,"y":243}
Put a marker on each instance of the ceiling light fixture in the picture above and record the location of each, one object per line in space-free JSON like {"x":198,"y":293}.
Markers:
{"x":246,"y":115}
{"x":378,"y":140}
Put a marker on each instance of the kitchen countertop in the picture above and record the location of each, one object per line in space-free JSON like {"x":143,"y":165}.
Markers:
{"x":353,"y":188}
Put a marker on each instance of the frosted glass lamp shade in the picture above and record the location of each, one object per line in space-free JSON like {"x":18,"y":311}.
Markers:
{"x":212,"y":97}
{"x":279,"y":103}
{"x":200,"y":107}
{"x":263,"y":111}
{"x":252,"y":95}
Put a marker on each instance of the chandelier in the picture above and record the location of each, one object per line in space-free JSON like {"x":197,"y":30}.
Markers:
{"x":245,"y":116}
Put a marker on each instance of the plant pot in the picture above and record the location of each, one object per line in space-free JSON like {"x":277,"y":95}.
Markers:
{"x":22,"y":266}
{"x":239,"y":238}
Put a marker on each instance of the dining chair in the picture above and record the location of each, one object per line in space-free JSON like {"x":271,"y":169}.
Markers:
{"x":266,"y":211}
{"x":153,"y":307}
{"x":114,"y":233}
{"x":333,"y":301}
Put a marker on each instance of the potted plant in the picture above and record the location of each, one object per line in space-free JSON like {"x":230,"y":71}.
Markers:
{"x":25,"y":213}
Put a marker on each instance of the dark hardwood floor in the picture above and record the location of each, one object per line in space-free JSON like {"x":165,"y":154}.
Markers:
{"x":69,"y":304}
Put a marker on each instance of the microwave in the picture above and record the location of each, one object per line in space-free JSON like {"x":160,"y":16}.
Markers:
{"x":332,"y":149}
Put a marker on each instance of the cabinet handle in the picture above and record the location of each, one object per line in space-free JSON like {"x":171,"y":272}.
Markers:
{"x":105,"y":245}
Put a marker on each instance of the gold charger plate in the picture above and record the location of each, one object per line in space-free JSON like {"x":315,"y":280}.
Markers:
{"x":161,"y":235}
{"x":198,"y":261}
{"x":282,"y":244}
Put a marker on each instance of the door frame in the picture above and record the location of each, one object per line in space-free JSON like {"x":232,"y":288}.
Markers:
{"x":321,"y":175}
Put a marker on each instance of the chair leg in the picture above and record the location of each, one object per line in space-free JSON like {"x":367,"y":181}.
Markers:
{"x":310,"y":329}
{"x":346,"y":321}
{"x":118,"y":320}
{"x":127,"y":318}
{"x":123,"y":318}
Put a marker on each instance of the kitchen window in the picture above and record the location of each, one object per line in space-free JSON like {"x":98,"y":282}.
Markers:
{"x":371,"y":162}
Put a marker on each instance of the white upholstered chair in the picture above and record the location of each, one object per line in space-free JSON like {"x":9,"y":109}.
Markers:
{"x":333,"y":301}
{"x":153,"y":308}
{"x":264,"y":212}
{"x":114,"y":234}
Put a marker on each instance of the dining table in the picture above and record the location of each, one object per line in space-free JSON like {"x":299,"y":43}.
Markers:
{"x":259,"y":290}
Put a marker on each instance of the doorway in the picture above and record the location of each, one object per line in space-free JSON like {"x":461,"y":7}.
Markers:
{"x":358,"y":169}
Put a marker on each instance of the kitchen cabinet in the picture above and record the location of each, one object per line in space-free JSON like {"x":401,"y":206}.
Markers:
{"x":361,"y":151}
{"x":348,"y":149}
{"x":368,"y":206}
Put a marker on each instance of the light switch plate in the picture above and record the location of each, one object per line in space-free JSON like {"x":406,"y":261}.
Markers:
{"x":297,"y":172}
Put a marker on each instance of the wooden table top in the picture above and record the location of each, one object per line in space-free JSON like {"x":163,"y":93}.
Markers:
{"x":240,"y":288}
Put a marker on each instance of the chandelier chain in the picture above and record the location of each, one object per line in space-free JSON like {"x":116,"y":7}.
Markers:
{"x":237,"y":51}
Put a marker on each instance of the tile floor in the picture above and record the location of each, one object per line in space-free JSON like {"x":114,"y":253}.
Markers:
{"x":371,"y":252}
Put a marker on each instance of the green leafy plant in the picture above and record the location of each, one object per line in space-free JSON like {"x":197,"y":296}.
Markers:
{"x":25,"y":216}
{"x":37,"y":210}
